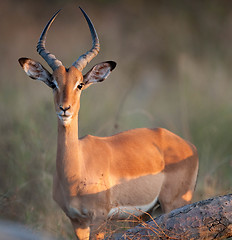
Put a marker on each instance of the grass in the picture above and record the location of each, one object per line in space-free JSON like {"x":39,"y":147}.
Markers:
{"x":174,"y":71}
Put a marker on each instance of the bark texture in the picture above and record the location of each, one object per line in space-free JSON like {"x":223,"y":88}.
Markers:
{"x":207,"y":219}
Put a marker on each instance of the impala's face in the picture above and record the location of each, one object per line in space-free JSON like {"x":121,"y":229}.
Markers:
{"x":67,"y":84}
{"x":67,"y":90}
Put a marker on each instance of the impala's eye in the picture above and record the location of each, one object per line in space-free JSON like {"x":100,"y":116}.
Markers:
{"x":80,"y":86}
{"x":54,"y":85}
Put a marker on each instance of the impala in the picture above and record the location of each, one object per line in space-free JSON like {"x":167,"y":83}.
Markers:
{"x":112,"y":177}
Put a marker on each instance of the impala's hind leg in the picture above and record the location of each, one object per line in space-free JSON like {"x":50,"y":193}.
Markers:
{"x":170,"y":202}
{"x":179,"y":184}
{"x":175,"y":196}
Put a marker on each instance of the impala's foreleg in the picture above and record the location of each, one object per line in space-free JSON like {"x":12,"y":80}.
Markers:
{"x":82,"y":230}
{"x":87,"y":230}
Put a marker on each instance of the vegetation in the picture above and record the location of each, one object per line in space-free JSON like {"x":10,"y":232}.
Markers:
{"x":174,"y":71}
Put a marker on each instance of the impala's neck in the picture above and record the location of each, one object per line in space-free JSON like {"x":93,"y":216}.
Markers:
{"x":68,"y":134}
{"x":67,"y":160}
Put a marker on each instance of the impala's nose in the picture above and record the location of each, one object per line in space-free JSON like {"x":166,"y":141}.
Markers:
{"x":65,"y":108}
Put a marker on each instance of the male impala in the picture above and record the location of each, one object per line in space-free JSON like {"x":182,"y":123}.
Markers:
{"x":101,"y":177}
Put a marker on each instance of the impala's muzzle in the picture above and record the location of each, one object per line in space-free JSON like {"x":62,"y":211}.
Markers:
{"x":64,"y":115}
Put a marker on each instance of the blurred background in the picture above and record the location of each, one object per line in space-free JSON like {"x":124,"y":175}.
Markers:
{"x":174,"y":71}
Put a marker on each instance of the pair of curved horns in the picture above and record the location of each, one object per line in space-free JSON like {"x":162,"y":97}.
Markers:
{"x":83,"y":60}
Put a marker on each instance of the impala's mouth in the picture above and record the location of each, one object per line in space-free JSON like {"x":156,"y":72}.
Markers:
{"x":64,"y":117}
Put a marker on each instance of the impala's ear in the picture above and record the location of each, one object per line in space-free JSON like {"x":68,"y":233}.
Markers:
{"x":98,"y":73}
{"x":36,"y":71}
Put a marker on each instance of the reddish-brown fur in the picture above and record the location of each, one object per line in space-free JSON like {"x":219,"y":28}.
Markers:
{"x":101,"y":177}
{"x":132,"y":168}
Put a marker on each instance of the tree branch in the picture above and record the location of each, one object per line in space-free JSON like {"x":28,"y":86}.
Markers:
{"x":207,"y":219}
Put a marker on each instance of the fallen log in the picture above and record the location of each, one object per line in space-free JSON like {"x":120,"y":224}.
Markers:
{"x":207,"y":219}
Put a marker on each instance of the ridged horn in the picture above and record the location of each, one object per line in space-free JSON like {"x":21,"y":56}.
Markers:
{"x":84,"y":59}
{"x":51,"y":60}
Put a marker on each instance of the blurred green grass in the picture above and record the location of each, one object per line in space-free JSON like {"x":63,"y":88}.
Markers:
{"x":174,"y":71}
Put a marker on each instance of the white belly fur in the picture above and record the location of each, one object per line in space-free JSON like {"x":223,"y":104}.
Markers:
{"x":123,"y":212}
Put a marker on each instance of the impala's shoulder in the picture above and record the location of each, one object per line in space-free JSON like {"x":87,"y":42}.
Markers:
{"x":163,"y":131}
{"x":160,"y":132}
{"x":90,"y":139}
{"x":86,"y":138}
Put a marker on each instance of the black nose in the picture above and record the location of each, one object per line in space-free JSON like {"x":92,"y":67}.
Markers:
{"x":65,"y":108}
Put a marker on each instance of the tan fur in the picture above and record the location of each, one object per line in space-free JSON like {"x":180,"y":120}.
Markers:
{"x":97,"y":178}
{"x":96,"y":174}
{"x":101,"y":177}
